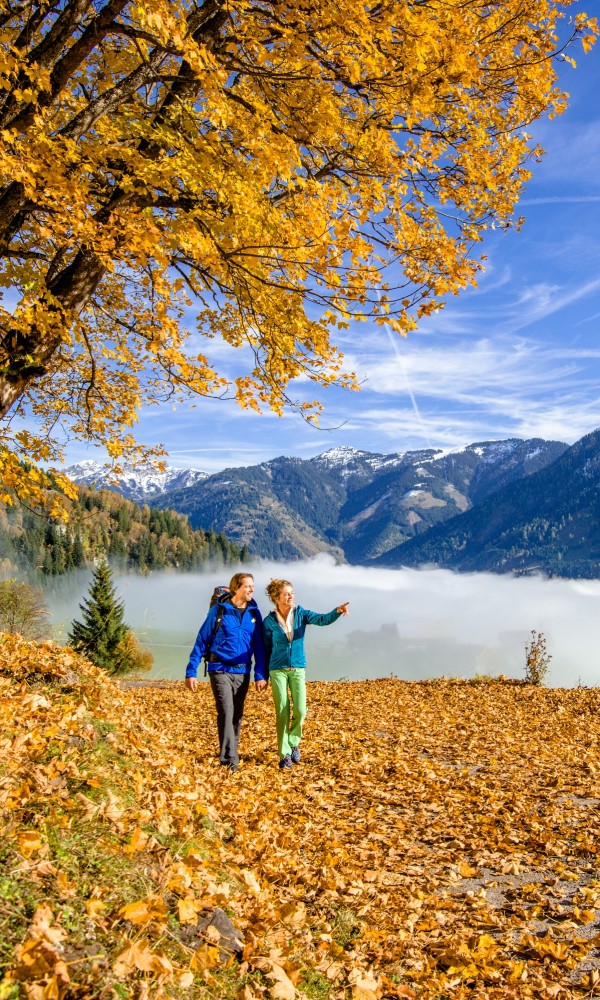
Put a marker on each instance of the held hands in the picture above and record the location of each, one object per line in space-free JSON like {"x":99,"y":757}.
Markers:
{"x":343,"y":608}
{"x":191,"y":684}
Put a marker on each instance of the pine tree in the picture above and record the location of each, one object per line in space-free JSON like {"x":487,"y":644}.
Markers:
{"x":102,"y":633}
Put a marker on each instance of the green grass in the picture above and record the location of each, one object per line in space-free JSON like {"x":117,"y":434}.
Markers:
{"x":314,"y":984}
{"x":346,"y":927}
{"x":18,"y":902}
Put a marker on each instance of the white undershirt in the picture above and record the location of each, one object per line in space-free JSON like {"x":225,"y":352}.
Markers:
{"x":287,"y":624}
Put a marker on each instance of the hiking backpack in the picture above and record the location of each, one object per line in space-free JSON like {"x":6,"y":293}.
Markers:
{"x":217,"y":593}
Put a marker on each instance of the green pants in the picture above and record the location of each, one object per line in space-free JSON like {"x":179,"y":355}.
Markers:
{"x":289,"y":690}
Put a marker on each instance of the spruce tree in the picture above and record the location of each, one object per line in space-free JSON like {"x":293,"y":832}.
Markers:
{"x":101,"y":634}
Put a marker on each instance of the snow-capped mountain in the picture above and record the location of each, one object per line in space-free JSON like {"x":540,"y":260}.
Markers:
{"x":355,"y":504}
{"x":513,"y":504}
{"x":349,"y":462}
{"x":139,"y":484}
{"x":545,"y":521}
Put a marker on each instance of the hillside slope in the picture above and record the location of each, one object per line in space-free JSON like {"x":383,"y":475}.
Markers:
{"x":437,"y":840}
{"x":548,"y":522}
{"x":102,"y":523}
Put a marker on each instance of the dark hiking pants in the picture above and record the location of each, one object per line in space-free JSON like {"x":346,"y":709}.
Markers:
{"x":230,"y":692}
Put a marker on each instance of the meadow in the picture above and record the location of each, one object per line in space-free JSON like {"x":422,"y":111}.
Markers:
{"x":439,"y":839}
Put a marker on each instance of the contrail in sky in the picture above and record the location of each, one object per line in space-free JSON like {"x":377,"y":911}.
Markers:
{"x":393,"y":338}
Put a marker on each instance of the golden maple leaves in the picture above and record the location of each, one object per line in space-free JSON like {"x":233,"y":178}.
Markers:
{"x":438,"y":838}
{"x":258,"y":168}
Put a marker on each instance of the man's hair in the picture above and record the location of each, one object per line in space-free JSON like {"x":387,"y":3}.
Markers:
{"x":274,"y":589}
{"x":237,"y":580}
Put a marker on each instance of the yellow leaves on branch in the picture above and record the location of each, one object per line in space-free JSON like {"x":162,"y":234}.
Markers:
{"x":247,"y":176}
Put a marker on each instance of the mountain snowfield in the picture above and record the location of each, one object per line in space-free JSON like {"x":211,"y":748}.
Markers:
{"x":135,"y":483}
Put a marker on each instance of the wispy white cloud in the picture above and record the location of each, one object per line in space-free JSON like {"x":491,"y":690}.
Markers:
{"x":541,"y":300}
{"x":459,"y":392}
{"x":561,"y":200}
{"x":462,"y":372}
{"x":573,"y":150}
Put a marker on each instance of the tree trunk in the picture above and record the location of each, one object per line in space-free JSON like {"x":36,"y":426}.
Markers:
{"x":25,"y":354}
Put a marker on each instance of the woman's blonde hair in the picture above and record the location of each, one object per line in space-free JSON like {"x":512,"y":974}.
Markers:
{"x":237,"y":580}
{"x":274,"y":588}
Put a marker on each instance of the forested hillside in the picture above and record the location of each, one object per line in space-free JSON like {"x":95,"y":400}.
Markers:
{"x":357,"y":505}
{"x":104,"y":523}
{"x":548,"y":522}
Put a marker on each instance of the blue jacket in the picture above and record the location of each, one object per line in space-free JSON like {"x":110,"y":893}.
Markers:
{"x":279,"y":651}
{"x":239,"y":638}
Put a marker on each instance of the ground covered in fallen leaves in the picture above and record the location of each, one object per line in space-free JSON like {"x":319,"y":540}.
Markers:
{"x":438,"y":840}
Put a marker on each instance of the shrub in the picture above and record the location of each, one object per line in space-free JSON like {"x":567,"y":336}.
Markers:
{"x":537,"y":659}
{"x":130,"y":656}
{"x":23,"y":610}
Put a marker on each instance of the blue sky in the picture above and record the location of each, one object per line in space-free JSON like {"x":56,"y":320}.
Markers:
{"x":516,"y":357}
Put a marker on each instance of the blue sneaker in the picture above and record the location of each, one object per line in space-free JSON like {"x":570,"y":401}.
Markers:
{"x":295,"y":755}
{"x":285,"y":762}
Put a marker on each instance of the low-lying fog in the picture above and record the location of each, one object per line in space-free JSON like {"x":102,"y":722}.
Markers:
{"x":409,"y":623}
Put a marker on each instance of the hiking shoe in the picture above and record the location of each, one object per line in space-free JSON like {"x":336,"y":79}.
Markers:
{"x":295,"y":755}
{"x":285,"y":762}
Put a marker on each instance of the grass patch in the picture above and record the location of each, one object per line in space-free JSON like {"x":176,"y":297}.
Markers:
{"x":230,"y":982}
{"x":346,"y":927}
{"x":314,"y":984}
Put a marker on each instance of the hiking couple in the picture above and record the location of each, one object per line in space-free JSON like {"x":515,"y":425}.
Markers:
{"x":277,"y":647}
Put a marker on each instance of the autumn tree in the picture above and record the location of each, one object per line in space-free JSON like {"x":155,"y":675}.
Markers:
{"x":23,"y":610}
{"x":279,"y":169}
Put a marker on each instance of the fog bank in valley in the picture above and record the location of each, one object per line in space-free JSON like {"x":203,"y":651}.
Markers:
{"x":409,"y":623}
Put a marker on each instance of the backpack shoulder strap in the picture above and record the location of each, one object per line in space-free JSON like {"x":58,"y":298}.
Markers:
{"x":216,"y":627}
{"x":218,"y":620}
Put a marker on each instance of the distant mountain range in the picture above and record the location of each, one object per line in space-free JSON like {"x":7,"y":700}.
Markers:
{"x":547,"y":522}
{"x":362,"y":507}
{"x":137,"y":484}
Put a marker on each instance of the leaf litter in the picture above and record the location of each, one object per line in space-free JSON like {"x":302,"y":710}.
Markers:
{"x":438,"y":840}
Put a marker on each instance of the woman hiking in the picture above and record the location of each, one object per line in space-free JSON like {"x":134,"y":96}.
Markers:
{"x":284,"y":629}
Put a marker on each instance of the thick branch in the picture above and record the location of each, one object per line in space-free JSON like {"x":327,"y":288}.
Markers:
{"x":113,"y":98}
{"x":25,"y":355}
{"x":34,"y":22}
{"x":203,"y":24}
{"x":43,"y":54}
{"x":66,"y":67}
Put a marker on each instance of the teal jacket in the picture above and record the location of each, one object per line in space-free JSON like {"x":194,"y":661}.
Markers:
{"x":280,"y":653}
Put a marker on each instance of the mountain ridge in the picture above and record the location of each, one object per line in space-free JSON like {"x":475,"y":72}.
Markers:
{"x":355,"y":505}
{"x":134,"y":483}
{"x":547,"y":522}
